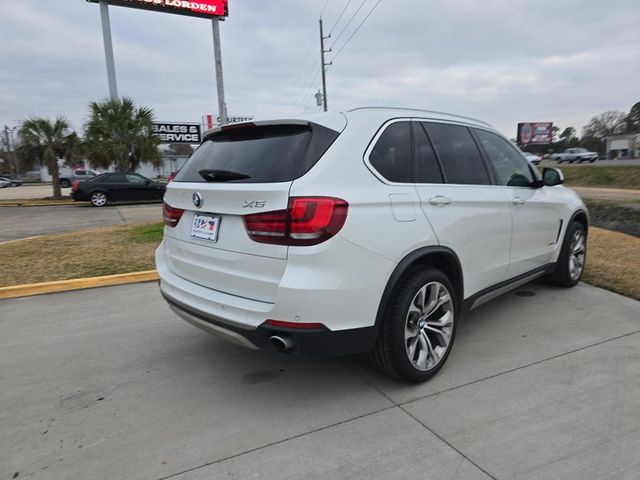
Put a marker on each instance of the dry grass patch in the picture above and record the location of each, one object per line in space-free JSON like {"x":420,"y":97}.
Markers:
{"x":613,"y":262}
{"x":90,"y":253}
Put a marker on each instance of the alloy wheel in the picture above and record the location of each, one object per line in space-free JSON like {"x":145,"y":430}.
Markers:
{"x":98,"y":199}
{"x":429,"y":326}
{"x":577,"y":252}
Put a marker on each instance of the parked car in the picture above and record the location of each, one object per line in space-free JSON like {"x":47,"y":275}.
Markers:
{"x":8,"y":182}
{"x":114,"y":187}
{"x":577,"y":155}
{"x":534,"y":159}
{"x":81,"y":175}
{"x":371,"y":230}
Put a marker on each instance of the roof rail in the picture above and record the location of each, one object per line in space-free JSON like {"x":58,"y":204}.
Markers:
{"x":421,"y":110}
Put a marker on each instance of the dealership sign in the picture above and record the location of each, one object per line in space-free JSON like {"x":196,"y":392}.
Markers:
{"x":178,"y":132}
{"x":540,"y":133}
{"x":192,"y":8}
{"x":209,"y":121}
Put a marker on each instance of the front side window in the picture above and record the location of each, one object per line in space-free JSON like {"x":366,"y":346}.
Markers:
{"x":458,"y":154}
{"x":391,"y":155}
{"x":511,"y":169}
{"x":117,"y":178}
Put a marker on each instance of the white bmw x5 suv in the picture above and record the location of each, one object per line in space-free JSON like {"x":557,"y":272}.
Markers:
{"x":371,"y":230}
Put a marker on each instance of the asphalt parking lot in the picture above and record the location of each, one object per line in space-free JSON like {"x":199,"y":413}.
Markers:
{"x":23,"y":222}
{"x":108,"y":383}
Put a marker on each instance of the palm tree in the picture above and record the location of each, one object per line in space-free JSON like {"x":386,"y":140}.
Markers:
{"x":121,"y":135}
{"x":47,"y":141}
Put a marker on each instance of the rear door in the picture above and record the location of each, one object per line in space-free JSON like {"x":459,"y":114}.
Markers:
{"x":468,"y":214}
{"x":118,"y":187}
{"x":535,"y":214}
{"x":235,"y":172}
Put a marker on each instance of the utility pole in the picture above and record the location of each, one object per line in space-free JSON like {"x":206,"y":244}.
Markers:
{"x":217,"y":52}
{"x":324,"y":65}
{"x":108,"y":50}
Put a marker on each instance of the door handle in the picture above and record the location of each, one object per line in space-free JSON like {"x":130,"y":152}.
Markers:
{"x":518,"y":201}
{"x":439,"y":200}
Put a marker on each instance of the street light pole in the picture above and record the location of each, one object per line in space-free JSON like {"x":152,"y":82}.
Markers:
{"x":108,"y":50}
{"x":217,"y":52}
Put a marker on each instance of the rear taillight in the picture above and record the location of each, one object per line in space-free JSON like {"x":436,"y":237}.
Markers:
{"x":76,"y":184}
{"x":307,"y":221}
{"x":171,"y":215}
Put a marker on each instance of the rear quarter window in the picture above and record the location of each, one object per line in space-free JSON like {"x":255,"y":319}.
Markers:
{"x":266,"y":154}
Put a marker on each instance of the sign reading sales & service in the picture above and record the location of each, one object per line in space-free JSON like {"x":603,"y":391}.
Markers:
{"x":178,"y":132}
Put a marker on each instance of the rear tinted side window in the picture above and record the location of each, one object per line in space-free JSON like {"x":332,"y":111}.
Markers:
{"x":458,"y":154}
{"x":427,"y":168}
{"x":391,"y":155}
{"x":266,"y":154}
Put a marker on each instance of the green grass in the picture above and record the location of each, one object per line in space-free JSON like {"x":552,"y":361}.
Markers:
{"x":606,"y":177}
{"x":147,"y":233}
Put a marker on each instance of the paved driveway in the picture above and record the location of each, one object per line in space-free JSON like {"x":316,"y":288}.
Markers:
{"x":108,"y":383}
{"x":22,"y":222}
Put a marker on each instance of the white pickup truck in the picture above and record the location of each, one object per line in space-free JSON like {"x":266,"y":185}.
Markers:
{"x":576,"y":155}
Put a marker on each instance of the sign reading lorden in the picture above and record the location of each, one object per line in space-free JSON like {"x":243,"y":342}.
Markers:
{"x":192,"y":8}
{"x":178,"y":132}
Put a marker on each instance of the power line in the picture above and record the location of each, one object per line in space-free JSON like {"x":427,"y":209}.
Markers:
{"x":309,"y":77}
{"x":356,"y":30}
{"x":340,"y":16}
{"x":348,"y":23}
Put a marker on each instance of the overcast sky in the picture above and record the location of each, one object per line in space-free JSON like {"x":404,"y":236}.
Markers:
{"x":503,"y":61}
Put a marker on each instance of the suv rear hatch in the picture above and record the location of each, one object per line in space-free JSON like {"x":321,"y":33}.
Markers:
{"x":239,"y":171}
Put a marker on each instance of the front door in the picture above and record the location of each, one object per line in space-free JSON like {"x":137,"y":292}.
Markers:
{"x":536,"y":218}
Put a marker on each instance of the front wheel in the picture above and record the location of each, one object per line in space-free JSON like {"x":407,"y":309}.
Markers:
{"x":418,"y":327}
{"x":99,"y":199}
{"x":572,"y":257}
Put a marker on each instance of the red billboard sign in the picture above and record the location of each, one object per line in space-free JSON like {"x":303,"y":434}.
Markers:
{"x":192,"y":8}
{"x":539,"y":133}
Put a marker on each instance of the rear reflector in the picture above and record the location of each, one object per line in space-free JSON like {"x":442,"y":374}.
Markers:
{"x":171,"y":215}
{"x":306,"y":221}
{"x":294,"y":325}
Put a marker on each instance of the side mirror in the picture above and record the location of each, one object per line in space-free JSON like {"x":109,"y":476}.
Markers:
{"x":552,"y":177}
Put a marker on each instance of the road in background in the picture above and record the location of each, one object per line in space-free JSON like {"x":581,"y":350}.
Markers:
{"x":23,"y":222}
{"x":28,"y":192}
{"x":597,"y":163}
{"x":109,"y":383}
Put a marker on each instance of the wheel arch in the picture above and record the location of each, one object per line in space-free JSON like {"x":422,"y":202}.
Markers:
{"x":580,"y":216}
{"x":440,"y":257}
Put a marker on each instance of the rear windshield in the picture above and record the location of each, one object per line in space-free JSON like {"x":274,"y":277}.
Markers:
{"x":260,"y":154}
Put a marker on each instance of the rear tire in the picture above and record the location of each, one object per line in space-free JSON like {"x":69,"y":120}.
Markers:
{"x":99,"y":199}
{"x":418,"y":327}
{"x":572,"y":259}
{"x":65,"y":183}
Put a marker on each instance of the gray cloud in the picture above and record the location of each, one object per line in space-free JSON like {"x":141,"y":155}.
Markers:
{"x":503,"y":61}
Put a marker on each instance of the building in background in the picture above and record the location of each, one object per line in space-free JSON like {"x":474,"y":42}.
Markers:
{"x":623,"y":146}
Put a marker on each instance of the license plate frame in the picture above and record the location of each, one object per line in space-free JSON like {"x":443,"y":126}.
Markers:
{"x":205,"y":227}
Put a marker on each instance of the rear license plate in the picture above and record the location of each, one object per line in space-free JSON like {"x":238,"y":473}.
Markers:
{"x":205,"y":227}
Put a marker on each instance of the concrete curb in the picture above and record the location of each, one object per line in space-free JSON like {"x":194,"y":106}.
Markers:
{"x":42,"y":204}
{"x":77,"y":284}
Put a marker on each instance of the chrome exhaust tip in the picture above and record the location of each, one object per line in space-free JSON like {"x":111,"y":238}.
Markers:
{"x":282,"y":344}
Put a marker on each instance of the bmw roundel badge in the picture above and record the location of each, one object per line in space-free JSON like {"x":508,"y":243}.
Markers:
{"x":197,"y":199}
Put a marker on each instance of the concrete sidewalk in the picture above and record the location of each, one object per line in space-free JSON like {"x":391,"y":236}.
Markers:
{"x":108,"y":383}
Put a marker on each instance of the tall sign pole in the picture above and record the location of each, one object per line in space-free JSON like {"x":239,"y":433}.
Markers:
{"x":108,"y":50}
{"x":217,"y":52}
{"x":323,"y":66}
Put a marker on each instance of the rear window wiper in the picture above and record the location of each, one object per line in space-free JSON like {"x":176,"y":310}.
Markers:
{"x":222,"y":175}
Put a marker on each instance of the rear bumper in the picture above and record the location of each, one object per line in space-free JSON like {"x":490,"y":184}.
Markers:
{"x":314,"y":343}
{"x":315,"y":288}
